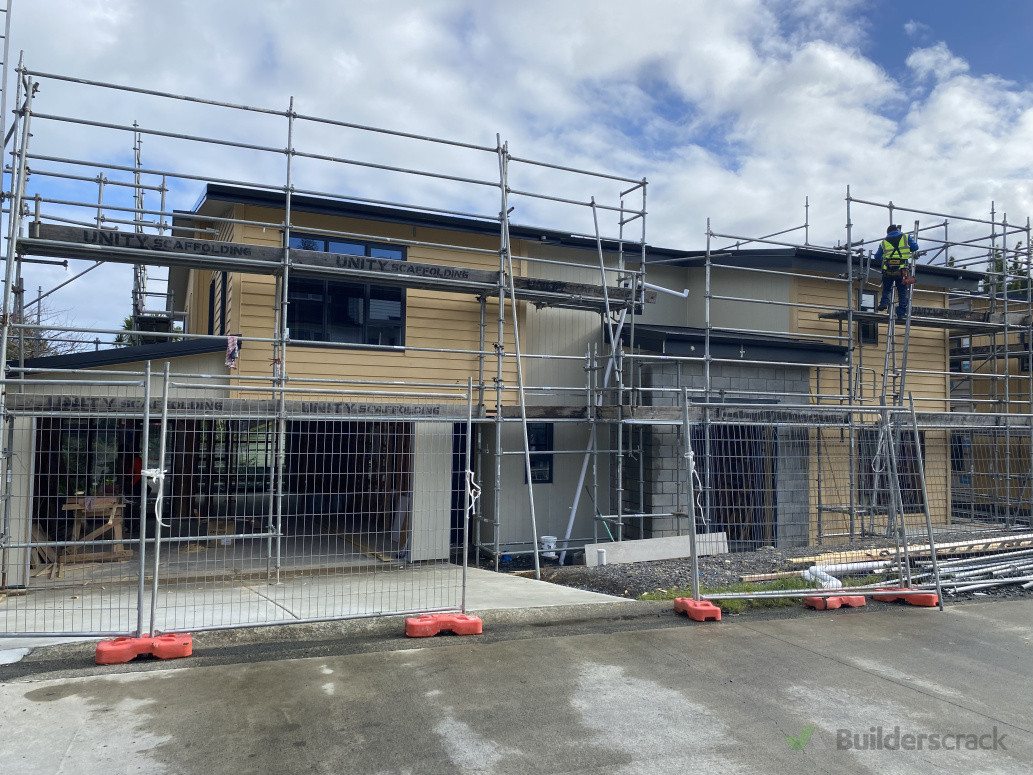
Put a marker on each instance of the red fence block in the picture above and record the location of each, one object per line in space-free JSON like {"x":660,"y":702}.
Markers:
{"x":431,"y":624}
{"x":826,"y":603}
{"x":923,"y":599}
{"x":119,"y":650}
{"x":697,"y":610}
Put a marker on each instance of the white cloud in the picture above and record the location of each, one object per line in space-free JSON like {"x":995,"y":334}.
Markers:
{"x":916,"y":29}
{"x":735,"y":110}
{"x":936,"y":62}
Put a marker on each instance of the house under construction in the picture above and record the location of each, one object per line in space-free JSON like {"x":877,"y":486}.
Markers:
{"x":322,"y":383}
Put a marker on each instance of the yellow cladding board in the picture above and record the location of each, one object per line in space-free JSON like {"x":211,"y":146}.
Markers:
{"x":433,"y":320}
{"x":928,"y":350}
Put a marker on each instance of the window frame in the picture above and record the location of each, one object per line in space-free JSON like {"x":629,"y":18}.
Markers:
{"x":368,"y":291}
{"x":541,"y":444}
{"x":867,"y":333}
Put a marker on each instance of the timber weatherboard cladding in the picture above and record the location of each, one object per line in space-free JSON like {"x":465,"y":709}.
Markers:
{"x":433,"y":319}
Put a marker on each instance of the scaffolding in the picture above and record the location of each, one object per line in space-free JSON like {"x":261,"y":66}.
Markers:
{"x":79,"y":226}
{"x":628,"y":352}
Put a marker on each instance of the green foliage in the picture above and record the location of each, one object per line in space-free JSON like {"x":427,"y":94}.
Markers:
{"x":1006,"y":275}
{"x":737,"y":605}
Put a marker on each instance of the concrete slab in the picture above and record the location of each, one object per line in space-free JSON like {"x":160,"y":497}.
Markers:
{"x":186,"y":607}
{"x":493,"y":591}
{"x":646,"y":549}
{"x":606,"y":702}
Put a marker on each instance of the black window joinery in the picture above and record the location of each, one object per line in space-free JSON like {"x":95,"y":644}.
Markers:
{"x":540,"y":441}
{"x":354,"y":313}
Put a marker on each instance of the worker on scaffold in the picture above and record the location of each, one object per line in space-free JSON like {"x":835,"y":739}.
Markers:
{"x":895,"y":252}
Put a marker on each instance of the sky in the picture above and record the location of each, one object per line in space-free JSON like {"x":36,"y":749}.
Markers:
{"x":734,"y":111}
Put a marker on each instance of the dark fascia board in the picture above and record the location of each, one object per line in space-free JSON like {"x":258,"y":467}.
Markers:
{"x":687,"y":341}
{"x":118,"y":355}
{"x":826,"y":261}
{"x":218,"y":192}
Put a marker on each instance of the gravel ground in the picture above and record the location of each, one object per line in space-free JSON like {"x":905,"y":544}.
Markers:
{"x":635,"y":579}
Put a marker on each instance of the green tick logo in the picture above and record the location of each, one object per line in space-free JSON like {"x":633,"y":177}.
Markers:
{"x":800,"y":741}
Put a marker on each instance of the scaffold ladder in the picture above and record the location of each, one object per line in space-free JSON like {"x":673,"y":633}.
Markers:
{"x":894,"y":376}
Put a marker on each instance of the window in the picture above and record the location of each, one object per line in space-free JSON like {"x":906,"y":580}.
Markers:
{"x":867,"y":333}
{"x":356,"y":313}
{"x":217,"y":304}
{"x":539,"y":440}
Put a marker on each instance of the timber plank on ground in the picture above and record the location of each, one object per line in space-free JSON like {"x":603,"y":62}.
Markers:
{"x":1022,"y":541}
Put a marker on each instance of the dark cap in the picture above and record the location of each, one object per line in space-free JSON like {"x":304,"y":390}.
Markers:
{"x":891,"y":228}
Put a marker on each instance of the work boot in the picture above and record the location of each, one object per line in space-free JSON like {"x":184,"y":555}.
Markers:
{"x":882,"y":308}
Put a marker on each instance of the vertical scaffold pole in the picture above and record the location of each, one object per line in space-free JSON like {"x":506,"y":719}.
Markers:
{"x":507,"y":253}
{"x":467,"y":485}
{"x":1007,"y":369}
{"x":1027,"y":354}
{"x":159,"y":495}
{"x":690,"y":467}
{"x":500,"y":354}
{"x":280,"y":375}
{"x":14,"y":227}
{"x":141,"y":548}
{"x":920,"y":460}
{"x":707,"y":387}
{"x":851,"y":430}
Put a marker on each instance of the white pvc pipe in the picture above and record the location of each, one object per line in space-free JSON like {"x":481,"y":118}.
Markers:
{"x":820,"y":577}
{"x":852,"y":567}
{"x":683,"y":294}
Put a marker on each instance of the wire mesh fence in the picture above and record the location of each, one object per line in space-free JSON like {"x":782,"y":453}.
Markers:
{"x":989,"y":542}
{"x":163,"y":505}
{"x":847,"y":500}
{"x":72,"y":561}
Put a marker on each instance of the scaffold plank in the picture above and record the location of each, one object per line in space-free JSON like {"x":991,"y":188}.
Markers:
{"x":130,"y":248}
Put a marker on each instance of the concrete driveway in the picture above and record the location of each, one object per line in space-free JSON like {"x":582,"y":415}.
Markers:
{"x":653,"y":694}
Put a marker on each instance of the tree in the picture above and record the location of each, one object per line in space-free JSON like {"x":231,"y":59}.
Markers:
{"x":125,"y":338}
{"x":1004,"y":275}
{"x":55,"y":335}
{"x":130,"y":336}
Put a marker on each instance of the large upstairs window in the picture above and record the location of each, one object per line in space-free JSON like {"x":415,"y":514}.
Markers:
{"x":355,"y":313}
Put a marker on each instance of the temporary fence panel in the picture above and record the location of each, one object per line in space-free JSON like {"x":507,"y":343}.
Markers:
{"x":241,"y":511}
{"x":328,"y":507}
{"x":73,"y":552}
{"x":829,"y":500}
{"x":987,"y":542}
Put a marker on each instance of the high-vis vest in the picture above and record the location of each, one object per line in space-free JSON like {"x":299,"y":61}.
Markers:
{"x":894,"y":256}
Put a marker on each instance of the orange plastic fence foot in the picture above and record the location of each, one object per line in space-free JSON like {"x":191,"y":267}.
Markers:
{"x":826,"y":603}
{"x":120,"y":650}
{"x":923,"y":599}
{"x":697,"y":610}
{"x":431,"y":624}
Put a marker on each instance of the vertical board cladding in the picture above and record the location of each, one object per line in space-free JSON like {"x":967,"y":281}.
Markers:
{"x":553,"y":500}
{"x":738,"y":300}
{"x":14,"y":563}
{"x":198,"y":313}
{"x":433,"y":320}
{"x":565,"y":335}
{"x":431,"y":491}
